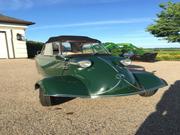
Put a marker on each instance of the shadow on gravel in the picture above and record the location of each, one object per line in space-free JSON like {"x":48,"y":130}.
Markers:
{"x":166,"y":119}
{"x":61,"y":100}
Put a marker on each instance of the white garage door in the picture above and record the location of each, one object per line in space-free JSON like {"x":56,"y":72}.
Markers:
{"x":3,"y":46}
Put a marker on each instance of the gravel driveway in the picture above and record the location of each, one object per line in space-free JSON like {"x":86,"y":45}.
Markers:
{"x":21,"y":112}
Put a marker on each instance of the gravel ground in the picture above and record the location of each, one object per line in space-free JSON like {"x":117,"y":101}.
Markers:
{"x":22,"y":114}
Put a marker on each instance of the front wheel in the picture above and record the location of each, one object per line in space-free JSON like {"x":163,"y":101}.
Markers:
{"x":148,"y":93}
{"x":44,"y":100}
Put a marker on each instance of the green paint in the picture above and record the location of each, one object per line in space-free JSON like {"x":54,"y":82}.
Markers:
{"x":106,"y":77}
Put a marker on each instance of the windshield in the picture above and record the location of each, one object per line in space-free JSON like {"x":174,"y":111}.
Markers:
{"x":74,"y":48}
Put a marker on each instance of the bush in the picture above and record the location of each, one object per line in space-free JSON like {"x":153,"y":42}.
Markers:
{"x":33,"y":47}
{"x":116,"y":52}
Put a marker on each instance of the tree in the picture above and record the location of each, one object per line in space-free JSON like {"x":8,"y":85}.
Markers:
{"x":167,"y":24}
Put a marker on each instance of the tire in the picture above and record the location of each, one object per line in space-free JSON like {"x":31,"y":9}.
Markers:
{"x":148,"y":93}
{"x":44,"y":100}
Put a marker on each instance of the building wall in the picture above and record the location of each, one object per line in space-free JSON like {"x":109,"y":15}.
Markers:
{"x":17,"y":49}
{"x":19,"y":46}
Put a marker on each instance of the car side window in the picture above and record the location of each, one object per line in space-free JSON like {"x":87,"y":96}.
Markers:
{"x":51,"y":49}
{"x":66,"y":48}
{"x":56,"y":48}
{"x":87,"y":49}
{"x":48,"y":50}
{"x":71,"y":48}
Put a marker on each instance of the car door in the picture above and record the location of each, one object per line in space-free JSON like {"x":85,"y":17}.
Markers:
{"x":48,"y":61}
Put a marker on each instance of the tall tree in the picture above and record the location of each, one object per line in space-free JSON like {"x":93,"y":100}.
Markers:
{"x":167,"y":24}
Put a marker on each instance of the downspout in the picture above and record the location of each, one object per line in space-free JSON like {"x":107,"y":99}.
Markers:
{"x":12,"y":43}
{"x":7,"y":45}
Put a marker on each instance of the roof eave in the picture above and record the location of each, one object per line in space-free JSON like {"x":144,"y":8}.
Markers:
{"x":21,"y":23}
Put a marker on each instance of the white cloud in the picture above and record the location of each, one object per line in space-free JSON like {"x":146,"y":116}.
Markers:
{"x":15,"y":4}
{"x":82,"y":1}
{"x":95,"y":23}
{"x":23,"y":4}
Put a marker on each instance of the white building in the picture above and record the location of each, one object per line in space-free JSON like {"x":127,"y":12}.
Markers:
{"x":12,"y":37}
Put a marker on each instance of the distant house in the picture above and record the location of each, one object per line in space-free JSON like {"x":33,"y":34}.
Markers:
{"x":12,"y":37}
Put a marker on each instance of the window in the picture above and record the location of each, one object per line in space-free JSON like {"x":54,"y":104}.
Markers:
{"x":20,"y":37}
{"x":56,"y":48}
{"x":94,"y":48}
{"x":66,"y":48}
{"x":73,"y":48}
{"x":99,"y":49}
{"x":52,"y":49}
{"x":87,"y":49}
{"x":48,"y":50}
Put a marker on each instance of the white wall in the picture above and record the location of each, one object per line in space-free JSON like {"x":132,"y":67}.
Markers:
{"x":19,"y":46}
{"x":16,"y":48}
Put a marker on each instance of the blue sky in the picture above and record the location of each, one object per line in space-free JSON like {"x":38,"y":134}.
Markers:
{"x":121,"y":21}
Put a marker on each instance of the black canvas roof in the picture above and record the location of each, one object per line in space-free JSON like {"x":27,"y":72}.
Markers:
{"x":73,"y":39}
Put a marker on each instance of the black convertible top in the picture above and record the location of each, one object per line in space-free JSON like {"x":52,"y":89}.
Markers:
{"x":73,"y":39}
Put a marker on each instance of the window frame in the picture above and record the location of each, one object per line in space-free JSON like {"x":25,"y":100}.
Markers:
{"x":51,"y":44}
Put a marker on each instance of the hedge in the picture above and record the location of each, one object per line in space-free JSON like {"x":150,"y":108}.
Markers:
{"x":33,"y":47}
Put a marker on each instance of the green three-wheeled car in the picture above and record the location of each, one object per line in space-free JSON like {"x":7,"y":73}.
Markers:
{"x":78,"y":66}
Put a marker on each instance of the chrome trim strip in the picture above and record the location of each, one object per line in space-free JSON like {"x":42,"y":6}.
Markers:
{"x":95,"y":96}
{"x":99,"y":93}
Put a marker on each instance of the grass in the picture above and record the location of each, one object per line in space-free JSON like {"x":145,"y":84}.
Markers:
{"x":170,"y":54}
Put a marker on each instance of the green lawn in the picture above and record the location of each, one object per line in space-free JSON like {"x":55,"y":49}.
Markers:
{"x":167,"y":53}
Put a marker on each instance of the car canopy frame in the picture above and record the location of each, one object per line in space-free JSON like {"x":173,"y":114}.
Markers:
{"x":82,"y":39}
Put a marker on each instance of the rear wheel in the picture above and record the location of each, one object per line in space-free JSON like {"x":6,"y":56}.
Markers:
{"x":148,"y":93}
{"x":44,"y":100}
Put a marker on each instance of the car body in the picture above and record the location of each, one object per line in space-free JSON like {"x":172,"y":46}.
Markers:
{"x":78,"y":66}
